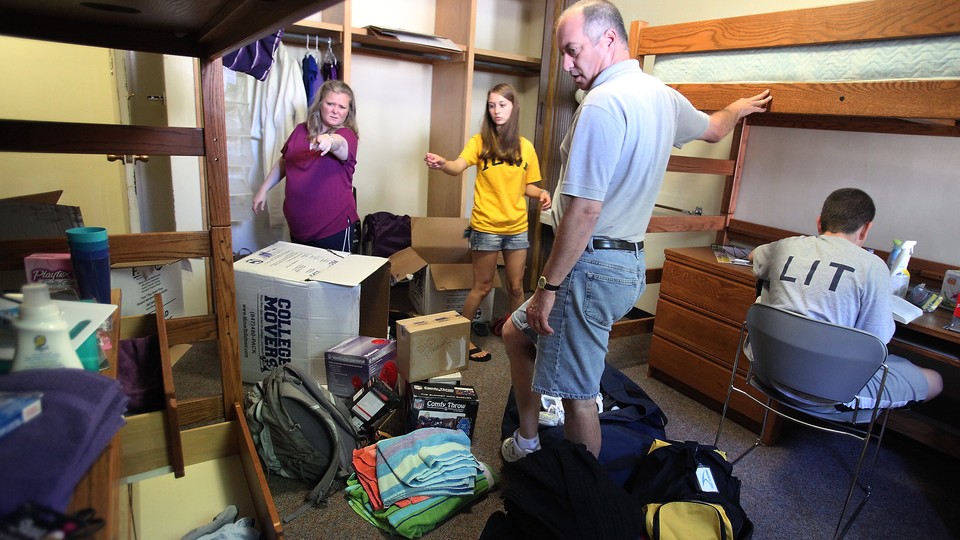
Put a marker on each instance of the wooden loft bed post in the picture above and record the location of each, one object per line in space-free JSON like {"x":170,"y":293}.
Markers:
{"x":695,"y":165}
{"x":222,"y":286}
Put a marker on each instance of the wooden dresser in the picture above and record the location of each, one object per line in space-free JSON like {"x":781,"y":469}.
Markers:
{"x":695,"y":334}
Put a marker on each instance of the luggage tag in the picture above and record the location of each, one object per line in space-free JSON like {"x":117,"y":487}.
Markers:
{"x":705,"y":480}
{"x":704,"y":475}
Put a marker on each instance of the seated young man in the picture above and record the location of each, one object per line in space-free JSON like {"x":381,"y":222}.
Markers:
{"x":831,"y":277}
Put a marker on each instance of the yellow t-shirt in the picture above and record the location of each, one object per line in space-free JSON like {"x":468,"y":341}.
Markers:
{"x":499,"y":205}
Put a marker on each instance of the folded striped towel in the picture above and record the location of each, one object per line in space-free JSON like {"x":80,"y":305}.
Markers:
{"x":426,"y":461}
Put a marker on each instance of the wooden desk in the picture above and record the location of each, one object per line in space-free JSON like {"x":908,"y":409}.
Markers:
{"x":701,"y":306}
{"x":99,"y":488}
{"x":927,"y":343}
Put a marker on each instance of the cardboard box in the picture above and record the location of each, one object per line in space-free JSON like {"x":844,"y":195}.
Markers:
{"x":54,"y":269}
{"x":432,"y":345}
{"x":138,"y":285}
{"x":18,"y":408}
{"x":294,"y":302}
{"x":438,"y":265}
{"x":371,"y":405}
{"x":443,"y":405}
{"x":352,"y":362}
{"x":951,"y":288}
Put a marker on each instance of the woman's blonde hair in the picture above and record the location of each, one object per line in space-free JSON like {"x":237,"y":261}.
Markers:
{"x":502,"y":144}
{"x":315,"y":123}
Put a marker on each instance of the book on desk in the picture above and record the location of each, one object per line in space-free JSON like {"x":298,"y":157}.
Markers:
{"x":903,"y":311}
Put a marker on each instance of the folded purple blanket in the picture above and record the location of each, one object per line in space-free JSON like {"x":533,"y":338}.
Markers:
{"x":46,"y":457}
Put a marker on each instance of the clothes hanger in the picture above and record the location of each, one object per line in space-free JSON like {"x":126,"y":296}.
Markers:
{"x":328,"y":56}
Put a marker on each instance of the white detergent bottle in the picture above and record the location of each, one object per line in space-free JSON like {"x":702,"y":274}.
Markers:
{"x":43,"y":338}
{"x":899,"y":275}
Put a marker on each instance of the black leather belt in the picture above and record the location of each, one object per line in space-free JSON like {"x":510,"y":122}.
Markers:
{"x":607,"y":243}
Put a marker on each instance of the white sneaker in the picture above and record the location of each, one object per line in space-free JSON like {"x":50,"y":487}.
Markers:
{"x":511,"y":452}
{"x":551,"y":417}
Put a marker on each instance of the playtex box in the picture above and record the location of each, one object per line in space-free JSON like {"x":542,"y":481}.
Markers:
{"x":438,"y":265}
{"x":432,"y":345}
{"x":295,"y":302}
{"x":54,"y":269}
{"x":443,"y":405}
{"x":352,"y":363}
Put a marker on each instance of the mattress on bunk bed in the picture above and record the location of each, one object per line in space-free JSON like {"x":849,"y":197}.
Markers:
{"x":913,"y":58}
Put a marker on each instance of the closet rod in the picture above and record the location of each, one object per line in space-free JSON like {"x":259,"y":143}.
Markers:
{"x":301,"y":39}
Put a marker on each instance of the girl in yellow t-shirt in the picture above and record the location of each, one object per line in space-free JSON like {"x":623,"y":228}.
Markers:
{"x":507,"y":169}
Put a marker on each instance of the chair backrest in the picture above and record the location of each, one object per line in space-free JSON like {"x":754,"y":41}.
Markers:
{"x":820,"y":359}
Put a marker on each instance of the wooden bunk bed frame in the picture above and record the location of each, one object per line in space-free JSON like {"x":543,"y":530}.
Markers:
{"x":205,"y":30}
{"x":918,"y":107}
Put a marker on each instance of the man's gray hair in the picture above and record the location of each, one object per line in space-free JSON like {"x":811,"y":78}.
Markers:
{"x":600,"y":16}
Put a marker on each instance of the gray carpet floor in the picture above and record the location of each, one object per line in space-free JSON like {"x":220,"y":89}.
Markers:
{"x":790,"y":491}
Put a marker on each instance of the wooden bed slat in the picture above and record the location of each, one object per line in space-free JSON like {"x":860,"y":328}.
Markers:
{"x":896,"y":99}
{"x":857,"y":124}
{"x":79,"y":138}
{"x":860,"y":21}
{"x":700,"y":165}
{"x":686,"y":223}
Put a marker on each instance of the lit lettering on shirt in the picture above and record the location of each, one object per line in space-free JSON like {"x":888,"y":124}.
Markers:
{"x":838,"y":273}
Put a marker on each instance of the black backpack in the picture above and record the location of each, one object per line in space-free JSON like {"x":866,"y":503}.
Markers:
{"x":301,"y":431}
{"x":630,"y":423}
{"x":687,"y":490}
{"x":385,"y":234}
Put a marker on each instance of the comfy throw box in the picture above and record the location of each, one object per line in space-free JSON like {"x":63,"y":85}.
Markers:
{"x":294,"y":302}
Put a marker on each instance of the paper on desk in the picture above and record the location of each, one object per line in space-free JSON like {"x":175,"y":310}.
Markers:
{"x":73,"y":313}
{"x":731,"y":254}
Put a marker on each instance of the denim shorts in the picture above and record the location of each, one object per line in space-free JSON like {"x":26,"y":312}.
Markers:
{"x":481,"y":241}
{"x":602,"y":287}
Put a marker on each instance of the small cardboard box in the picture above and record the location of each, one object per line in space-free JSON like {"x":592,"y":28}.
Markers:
{"x":432,"y":345}
{"x":294,"y":302}
{"x":443,"y":405}
{"x":351,"y":363}
{"x":951,"y":287}
{"x":371,"y":405}
{"x":138,"y":285}
{"x":54,"y":269}
{"x":438,"y":264}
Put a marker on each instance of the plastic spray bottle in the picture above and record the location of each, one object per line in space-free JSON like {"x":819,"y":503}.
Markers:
{"x":43,"y":339}
{"x":899,"y":258}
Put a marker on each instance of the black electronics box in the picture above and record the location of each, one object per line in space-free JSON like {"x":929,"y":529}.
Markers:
{"x":443,"y":405}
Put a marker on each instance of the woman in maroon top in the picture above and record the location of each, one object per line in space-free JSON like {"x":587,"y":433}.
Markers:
{"x":318,"y":161}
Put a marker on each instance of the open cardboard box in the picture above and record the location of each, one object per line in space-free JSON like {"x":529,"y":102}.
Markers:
{"x":295,"y":302}
{"x":438,"y":264}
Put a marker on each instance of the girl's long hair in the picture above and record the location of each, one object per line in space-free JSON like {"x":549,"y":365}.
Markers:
{"x":502,"y":144}
{"x":315,"y":124}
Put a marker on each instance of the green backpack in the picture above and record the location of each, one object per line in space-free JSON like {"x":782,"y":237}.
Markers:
{"x":301,"y":431}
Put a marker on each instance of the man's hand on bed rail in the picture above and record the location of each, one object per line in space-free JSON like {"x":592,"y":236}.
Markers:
{"x":722,"y":121}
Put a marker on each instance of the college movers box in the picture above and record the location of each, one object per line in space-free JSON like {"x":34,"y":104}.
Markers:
{"x":294,"y":302}
{"x":438,"y":264}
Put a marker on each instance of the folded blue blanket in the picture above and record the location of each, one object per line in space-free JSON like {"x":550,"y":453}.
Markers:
{"x":426,"y":461}
{"x":46,"y":457}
